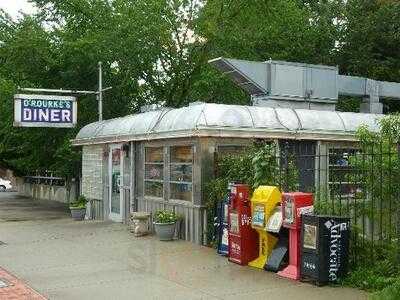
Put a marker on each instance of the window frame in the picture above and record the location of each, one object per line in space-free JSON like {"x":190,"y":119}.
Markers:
{"x":347,"y":169}
{"x":191,"y":183}
{"x":163,"y":164}
{"x":167,"y":147}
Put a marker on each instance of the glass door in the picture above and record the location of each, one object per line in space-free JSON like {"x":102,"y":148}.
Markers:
{"x":116,"y":184}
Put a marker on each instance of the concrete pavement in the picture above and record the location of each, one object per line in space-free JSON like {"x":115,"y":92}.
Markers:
{"x":14,"y":208}
{"x":63,"y":259}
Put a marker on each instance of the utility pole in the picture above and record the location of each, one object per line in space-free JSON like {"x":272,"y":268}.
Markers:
{"x":100,"y":92}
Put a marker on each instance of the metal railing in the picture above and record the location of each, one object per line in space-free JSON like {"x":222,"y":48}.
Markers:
{"x":362,"y":183}
{"x":45,"y":177}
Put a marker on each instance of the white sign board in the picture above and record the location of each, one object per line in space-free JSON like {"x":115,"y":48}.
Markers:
{"x":275,"y":221}
{"x":45,"y":111}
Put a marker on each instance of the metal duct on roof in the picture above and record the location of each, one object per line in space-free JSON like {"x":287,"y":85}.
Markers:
{"x":281,"y":79}
{"x":249,"y":75}
{"x":274,"y":77}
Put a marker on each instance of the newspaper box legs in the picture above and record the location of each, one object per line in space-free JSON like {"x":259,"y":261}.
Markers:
{"x":263,"y":203}
{"x":293,"y":205}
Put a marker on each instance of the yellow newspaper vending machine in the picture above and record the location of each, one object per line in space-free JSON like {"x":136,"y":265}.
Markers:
{"x":263,"y":203}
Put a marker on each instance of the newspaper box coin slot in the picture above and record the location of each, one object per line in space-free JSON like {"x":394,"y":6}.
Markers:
{"x":242,"y":239}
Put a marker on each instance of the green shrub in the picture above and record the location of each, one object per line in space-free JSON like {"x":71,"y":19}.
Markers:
{"x":216,"y":190}
{"x":79,"y":203}
{"x":374,"y":277}
{"x":258,"y":165}
{"x":165,"y":216}
{"x":392,"y":292}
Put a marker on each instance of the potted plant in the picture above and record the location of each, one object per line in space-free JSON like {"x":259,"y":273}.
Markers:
{"x":78,"y":208}
{"x":164,"y":224}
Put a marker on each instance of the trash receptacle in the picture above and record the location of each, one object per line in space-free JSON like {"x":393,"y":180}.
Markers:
{"x":324,"y":248}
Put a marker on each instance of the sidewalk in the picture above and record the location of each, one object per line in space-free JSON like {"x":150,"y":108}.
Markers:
{"x":11,"y":288}
{"x":63,"y":259}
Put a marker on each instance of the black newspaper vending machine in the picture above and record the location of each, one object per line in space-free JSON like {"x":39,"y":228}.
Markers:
{"x":221,"y":222}
{"x":324,"y":248}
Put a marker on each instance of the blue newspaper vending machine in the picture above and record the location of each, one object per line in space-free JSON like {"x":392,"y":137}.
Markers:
{"x":221,"y":223}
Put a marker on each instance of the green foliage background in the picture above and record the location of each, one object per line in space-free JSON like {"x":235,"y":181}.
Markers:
{"x":255,"y":166}
{"x":156,"y":51}
{"x":374,"y":263}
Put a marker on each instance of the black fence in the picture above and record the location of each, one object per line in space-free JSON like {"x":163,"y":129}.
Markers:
{"x":360,"y":182}
{"x":45,"y":177}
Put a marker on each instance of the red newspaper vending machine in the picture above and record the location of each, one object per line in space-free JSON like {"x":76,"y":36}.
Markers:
{"x":292,"y":206}
{"x":243,"y":239}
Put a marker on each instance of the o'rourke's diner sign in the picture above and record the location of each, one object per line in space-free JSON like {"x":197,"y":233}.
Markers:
{"x":45,"y":111}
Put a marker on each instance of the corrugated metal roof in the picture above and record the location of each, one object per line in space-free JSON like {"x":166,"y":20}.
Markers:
{"x":236,"y":119}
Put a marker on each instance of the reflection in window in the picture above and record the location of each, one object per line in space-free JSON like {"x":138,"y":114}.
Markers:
{"x":154,"y":172}
{"x":152,"y":188}
{"x":227,"y":150}
{"x":343,"y":176}
{"x":181,"y":173}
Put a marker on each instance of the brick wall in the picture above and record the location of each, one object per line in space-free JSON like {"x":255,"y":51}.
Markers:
{"x":92,"y":172}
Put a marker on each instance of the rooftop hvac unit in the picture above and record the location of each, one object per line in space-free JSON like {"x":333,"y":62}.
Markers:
{"x":297,"y":85}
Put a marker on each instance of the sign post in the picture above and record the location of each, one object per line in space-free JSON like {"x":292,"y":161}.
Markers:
{"x":57,"y":110}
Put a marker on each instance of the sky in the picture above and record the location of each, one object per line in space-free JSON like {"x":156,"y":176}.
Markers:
{"x":13,"y":7}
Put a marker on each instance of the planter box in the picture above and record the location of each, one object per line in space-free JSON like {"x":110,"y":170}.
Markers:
{"x":165,"y":231}
{"x":78,"y":214}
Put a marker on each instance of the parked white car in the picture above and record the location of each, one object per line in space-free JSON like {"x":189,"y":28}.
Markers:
{"x":5,"y":185}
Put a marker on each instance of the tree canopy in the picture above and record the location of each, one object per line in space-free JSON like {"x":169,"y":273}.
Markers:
{"x":156,"y":51}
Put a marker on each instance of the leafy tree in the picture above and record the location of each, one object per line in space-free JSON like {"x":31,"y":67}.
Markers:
{"x":156,"y":51}
{"x":258,"y":165}
{"x":369,"y":40}
{"x":147,"y":58}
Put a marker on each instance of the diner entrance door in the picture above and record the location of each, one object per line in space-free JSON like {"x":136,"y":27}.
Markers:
{"x":116,"y":183}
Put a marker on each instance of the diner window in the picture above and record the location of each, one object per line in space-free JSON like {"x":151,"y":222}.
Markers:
{"x":343,"y":178}
{"x":229,"y":150}
{"x":181,"y":173}
{"x":154,"y":172}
